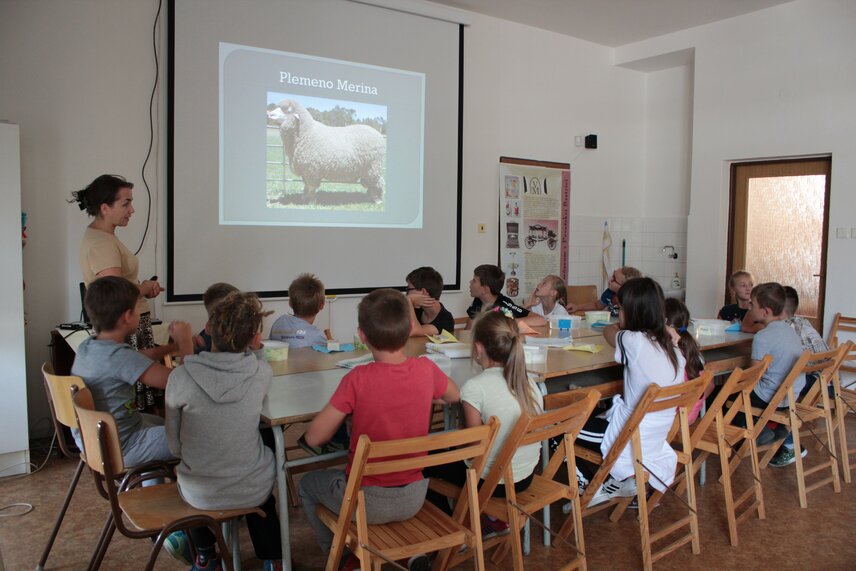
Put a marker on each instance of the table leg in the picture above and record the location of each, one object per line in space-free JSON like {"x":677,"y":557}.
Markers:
{"x":279,"y":449}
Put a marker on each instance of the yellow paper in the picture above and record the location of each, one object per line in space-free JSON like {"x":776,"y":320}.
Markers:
{"x":443,"y":337}
{"x":586,"y":347}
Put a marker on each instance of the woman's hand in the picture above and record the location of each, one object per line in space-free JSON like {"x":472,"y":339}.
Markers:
{"x":150,"y":288}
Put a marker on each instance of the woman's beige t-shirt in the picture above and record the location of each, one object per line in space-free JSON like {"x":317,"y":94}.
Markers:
{"x":100,"y":250}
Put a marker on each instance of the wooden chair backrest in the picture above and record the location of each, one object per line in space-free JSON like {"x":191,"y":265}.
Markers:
{"x":452,"y":446}
{"x":531,"y":429}
{"x":58,"y":389}
{"x":826,"y":365}
{"x":738,"y":386}
{"x":100,"y":437}
{"x":841,"y":323}
{"x":849,"y":362}
{"x":655,"y":398}
{"x":577,"y":294}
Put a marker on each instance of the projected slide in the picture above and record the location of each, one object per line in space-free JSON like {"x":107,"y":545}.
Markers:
{"x":310,"y":141}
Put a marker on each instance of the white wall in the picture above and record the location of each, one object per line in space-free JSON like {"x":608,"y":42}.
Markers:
{"x":14,"y":442}
{"x":776,"y":83}
{"x":77,"y":77}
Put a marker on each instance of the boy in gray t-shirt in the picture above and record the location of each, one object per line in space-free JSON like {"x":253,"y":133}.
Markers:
{"x":776,"y":339}
{"x":110,"y":368}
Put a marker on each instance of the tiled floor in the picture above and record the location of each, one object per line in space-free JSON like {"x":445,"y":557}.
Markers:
{"x":818,"y":538}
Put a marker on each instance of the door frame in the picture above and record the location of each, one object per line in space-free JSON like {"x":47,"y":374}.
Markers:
{"x":733,"y":222}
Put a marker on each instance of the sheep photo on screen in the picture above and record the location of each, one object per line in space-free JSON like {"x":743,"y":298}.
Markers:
{"x":325,"y":153}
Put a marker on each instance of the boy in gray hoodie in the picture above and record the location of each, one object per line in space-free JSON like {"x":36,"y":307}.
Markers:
{"x":213,"y":404}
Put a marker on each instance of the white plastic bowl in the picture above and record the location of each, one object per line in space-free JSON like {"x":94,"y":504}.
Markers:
{"x":593,"y":317}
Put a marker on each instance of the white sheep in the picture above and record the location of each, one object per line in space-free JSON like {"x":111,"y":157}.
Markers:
{"x":316,"y":152}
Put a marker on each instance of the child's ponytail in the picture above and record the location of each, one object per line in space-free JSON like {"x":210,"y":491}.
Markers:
{"x":501,"y":340}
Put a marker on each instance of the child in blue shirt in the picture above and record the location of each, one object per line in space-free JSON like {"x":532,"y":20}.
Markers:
{"x":306,"y":299}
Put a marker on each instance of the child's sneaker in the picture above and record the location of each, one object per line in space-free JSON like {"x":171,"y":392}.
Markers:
{"x":212,"y":564}
{"x":178,"y":546}
{"x":613,"y":488}
{"x":272,"y":565}
{"x":492,"y":527}
{"x":786,"y":456}
{"x":328,"y":448}
{"x":349,"y":563}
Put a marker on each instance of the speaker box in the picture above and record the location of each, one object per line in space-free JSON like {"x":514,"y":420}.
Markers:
{"x":591,"y":141}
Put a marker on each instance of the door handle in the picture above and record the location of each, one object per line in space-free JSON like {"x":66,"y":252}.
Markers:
{"x":818,"y":275}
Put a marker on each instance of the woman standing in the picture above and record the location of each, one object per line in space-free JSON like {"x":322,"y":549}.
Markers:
{"x":108,"y":199}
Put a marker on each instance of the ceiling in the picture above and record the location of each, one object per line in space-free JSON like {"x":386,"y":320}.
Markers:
{"x":613,"y":22}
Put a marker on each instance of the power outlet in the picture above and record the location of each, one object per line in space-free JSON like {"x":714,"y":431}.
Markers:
{"x":482,"y":228}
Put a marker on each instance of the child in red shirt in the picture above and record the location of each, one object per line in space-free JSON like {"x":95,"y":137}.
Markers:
{"x":388,"y":399}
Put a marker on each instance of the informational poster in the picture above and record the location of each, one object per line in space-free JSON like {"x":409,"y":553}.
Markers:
{"x":534,"y":200}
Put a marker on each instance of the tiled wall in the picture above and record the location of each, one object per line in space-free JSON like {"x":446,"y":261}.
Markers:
{"x":644,"y":241}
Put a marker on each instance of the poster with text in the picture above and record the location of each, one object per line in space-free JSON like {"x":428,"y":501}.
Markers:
{"x":534,"y":200}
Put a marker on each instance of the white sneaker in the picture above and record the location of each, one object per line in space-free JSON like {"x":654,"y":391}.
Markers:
{"x":613,"y":488}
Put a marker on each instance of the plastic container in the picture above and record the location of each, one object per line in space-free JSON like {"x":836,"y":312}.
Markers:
{"x":534,"y":355}
{"x":275,"y":350}
{"x":563,"y":322}
{"x":710,"y":326}
{"x":593,"y":317}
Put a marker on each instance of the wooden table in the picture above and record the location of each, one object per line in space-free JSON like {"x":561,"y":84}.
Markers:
{"x":305,"y":382}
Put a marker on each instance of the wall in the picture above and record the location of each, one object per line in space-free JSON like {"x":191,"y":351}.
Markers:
{"x":77,"y":77}
{"x":776,"y":83}
{"x":14,"y":443}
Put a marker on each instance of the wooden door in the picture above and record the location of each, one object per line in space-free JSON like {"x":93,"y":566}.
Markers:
{"x":778,"y":227}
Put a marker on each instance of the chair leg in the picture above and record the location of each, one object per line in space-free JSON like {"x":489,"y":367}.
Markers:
{"x":642,"y":501}
{"x":729,"y":493}
{"x":756,"y":471}
{"x":840,"y":414}
{"x":103,"y":543}
{"x":799,"y":462}
{"x":516,"y":547}
{"x":830,"y":437}
{"x":60,"y":516}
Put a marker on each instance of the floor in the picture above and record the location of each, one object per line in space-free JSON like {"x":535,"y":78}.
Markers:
{"x":818,"y":538}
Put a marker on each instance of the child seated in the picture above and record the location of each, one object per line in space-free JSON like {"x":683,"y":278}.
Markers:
{"x":502,"y":389}
{"x":212,"y":296}
{"x":486,"y":289}
{"x":548,"y":298}
{"x":212,"y":423}
{"x":389,"y":399}
{"x":111,"y":368}
{"x":811,"y":341}
{"x":678,"y":318}
{"x":767,"y":306}
{"x":609,"y":298}
{"x":306,"y":299}
{"x":429,"y":317}
{"x":642,"y":341}
{"x":740,"y":285}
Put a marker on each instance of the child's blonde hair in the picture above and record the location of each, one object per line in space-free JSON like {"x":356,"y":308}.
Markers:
{"x":558,"y":285}
{"x":733,"y":280}
{"x":235,"y":320}
{"x":500,"y":338}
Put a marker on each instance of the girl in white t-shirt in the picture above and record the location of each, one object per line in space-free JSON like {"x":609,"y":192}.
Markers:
{"x":646,"y":347}
{"x":502,"y":390}
{"x":548,"y":298}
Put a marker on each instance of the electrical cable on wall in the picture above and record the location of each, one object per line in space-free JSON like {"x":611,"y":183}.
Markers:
{"x":151,"y":124}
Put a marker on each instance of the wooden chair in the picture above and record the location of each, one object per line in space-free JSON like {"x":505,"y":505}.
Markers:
{"x":682,"y":397}
{"x":845,"y":402}
{"x":460,"y":323}
{"x":153,"y":511}
{"x":577,"y":294}
{"x":58,"y":391}
{"x":799,"y":414}
{"x":715,"y":433}
{"x":543,"y":491}
{"x":429,"y":530}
